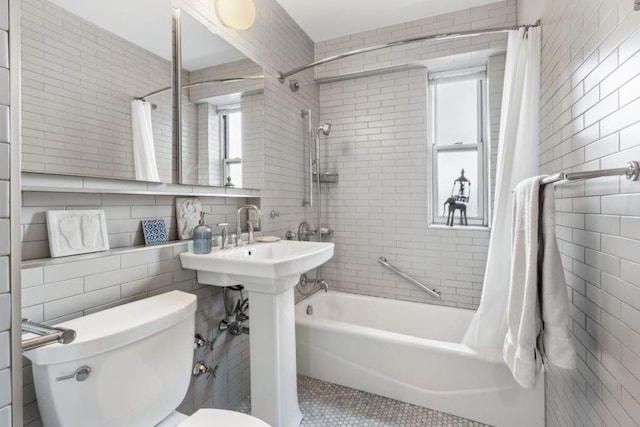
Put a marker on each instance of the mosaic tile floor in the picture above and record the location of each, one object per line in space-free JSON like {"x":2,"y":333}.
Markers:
{"x":325,"y":404}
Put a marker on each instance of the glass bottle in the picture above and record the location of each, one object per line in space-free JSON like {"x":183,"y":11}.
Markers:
{"x":202,"y":237}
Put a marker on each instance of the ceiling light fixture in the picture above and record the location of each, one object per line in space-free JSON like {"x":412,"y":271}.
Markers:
{"x":236,"y":14}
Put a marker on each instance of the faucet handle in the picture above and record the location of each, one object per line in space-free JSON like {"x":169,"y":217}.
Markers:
{"x":224,"y":234}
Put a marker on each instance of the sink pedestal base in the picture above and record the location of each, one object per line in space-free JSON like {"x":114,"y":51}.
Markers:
{"x":274,"y":389}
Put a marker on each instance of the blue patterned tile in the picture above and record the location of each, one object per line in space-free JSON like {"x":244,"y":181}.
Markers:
{"x":155,"y":231}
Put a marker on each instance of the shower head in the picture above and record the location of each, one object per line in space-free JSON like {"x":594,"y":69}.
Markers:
{"x":325,"y":129}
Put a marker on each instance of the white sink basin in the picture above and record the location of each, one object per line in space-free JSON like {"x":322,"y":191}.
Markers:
{"x":261,"y":263}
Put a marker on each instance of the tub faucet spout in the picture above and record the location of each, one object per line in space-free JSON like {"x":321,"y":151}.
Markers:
{"x":324,"y":285}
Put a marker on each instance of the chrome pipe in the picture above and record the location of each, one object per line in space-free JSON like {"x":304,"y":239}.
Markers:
{"x":445,"y":36}
{"x":432,"y":292}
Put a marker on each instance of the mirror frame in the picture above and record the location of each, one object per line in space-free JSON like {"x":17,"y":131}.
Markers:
{"x":177,"y":89}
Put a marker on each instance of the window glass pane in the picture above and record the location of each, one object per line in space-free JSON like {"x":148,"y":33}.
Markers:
{"x":450,"y":164}
{"x":456,"y":112}
{"x":235,"y":172}
{"x":234,"y":121}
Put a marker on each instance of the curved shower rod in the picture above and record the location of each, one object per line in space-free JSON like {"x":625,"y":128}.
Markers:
{"x":445,"y":36}
{"x":190,"y":85}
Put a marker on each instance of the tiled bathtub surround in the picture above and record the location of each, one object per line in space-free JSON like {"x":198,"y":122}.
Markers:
{"x":380,"y":207}
{"x":590,"y":119}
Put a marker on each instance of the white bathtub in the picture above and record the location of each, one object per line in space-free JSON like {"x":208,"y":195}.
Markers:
{"x":410,"y":352}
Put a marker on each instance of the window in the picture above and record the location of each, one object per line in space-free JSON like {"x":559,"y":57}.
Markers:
{"x":231,"y":132}
{"x":457,"y":132}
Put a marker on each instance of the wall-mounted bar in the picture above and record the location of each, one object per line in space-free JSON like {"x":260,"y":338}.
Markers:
{"x":382,"y":260}
{"x":445,"y":36}
{"x":309,"y":201}
{"x":631,"y":171}
{"x":45,"y":335}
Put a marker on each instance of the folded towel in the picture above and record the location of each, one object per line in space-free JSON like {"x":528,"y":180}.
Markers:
{"x":538,"y":307}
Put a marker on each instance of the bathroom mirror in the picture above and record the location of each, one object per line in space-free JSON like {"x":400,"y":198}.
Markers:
{"x":221,"y":110}
{"x":83,"y":65}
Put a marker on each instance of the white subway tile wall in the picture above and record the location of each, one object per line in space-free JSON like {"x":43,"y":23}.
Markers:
{"x":5,"y":249}
{"x":378,"y":145}
{"x":589,"y":106}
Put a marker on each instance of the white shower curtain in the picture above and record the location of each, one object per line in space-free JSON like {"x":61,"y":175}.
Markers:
{"x":517,"y":160}
{"x":144,"y":153}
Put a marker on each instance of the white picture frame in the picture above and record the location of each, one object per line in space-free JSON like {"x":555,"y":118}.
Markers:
{"x":76,"y":232}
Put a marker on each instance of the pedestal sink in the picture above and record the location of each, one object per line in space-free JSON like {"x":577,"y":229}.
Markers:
{"x":268,"y":271}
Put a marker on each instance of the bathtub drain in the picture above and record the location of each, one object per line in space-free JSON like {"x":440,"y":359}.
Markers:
{"x":309,"y":310}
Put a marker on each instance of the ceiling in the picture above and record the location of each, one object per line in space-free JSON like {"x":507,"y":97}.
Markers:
{"x":146,"y":23}
{"x":201,"y":48}
{"x":327,"y":19}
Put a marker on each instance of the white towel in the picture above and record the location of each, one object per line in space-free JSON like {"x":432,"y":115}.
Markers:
{"x":538,"y":307}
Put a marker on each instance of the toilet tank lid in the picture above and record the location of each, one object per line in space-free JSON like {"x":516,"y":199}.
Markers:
{"x":116,"y":327}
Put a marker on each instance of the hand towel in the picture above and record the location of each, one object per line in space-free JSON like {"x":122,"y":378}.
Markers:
{"x":538,"y":306}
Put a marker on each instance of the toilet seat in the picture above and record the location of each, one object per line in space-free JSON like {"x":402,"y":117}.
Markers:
{"x":223,"y":418}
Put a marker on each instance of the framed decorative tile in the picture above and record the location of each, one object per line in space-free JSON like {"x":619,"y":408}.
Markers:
{"x":77,"y":232}
{"x":187,"y":216}
{"x":155,"y":231}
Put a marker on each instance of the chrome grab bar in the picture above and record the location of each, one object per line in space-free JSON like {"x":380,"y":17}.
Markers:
{"x":45,"y":335}
{"x":382,"y":260}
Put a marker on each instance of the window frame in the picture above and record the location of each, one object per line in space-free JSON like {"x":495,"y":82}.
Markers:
{"x":481,"y":188}
{"x":223,"y":115}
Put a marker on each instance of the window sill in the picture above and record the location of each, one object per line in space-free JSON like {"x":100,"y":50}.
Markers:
{"x":458,"y":227}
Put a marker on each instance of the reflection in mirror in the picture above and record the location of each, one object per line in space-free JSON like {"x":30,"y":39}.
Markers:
{"x":83,"y":65}
{"x":222,"y":111}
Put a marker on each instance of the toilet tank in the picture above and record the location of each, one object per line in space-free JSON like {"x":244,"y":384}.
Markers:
{"x":140,"y":357}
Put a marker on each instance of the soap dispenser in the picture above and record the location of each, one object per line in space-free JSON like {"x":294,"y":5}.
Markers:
{"x":202,"y":237}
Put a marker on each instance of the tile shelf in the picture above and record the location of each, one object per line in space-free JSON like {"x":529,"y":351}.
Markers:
{"x":41,"y":262}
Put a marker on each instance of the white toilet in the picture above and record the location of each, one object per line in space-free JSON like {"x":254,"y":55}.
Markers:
{"x":128,"y":366}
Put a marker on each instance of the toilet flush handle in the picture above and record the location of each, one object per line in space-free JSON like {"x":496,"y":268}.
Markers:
{"x":81,"y":374}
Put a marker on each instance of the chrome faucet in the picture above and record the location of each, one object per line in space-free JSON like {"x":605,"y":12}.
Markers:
{"x":239,"y":229}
